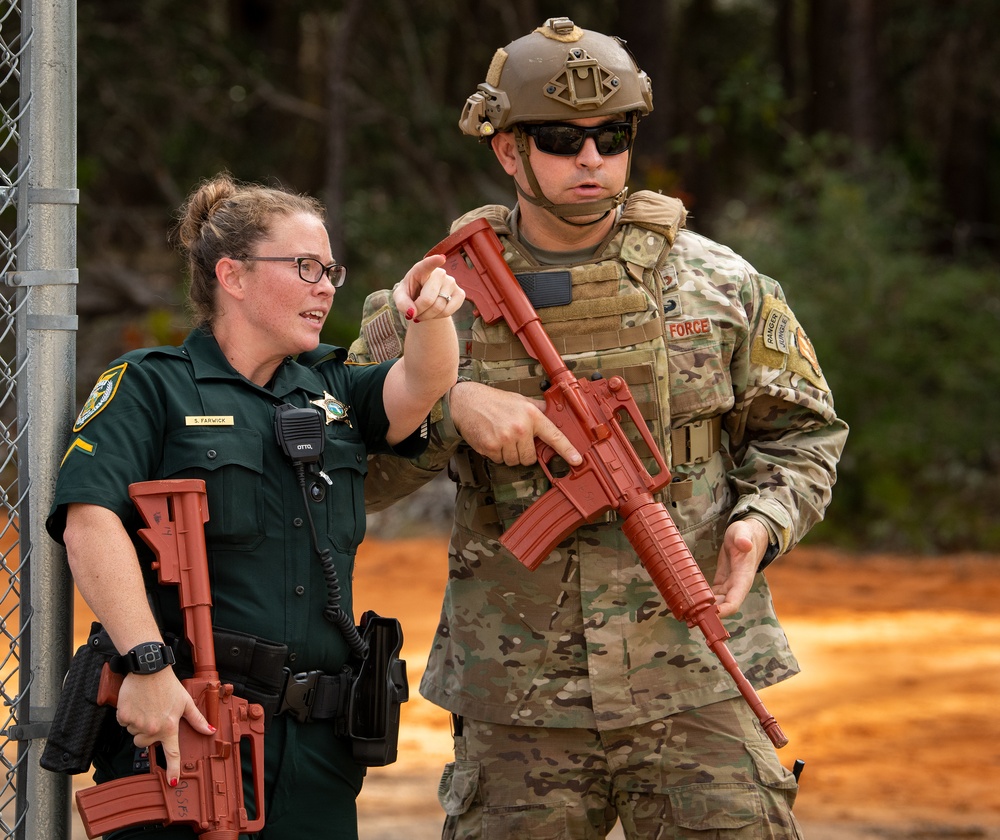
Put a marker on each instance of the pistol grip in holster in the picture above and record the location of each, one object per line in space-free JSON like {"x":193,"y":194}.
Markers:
{"x":79,"y":719}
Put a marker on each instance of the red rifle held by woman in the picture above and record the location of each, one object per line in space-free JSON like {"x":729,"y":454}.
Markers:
{"x":209,"y":792}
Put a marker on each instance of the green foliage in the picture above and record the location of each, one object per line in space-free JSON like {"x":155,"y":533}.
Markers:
{"x":910,"y":345}
{"x":359,"y":106}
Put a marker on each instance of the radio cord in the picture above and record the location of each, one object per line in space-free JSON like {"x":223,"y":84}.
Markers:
{"x":332,"y":612}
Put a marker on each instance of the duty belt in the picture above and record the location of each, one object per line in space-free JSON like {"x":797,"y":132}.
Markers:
{"x":315,"y":695}
{"x":255,"y":668}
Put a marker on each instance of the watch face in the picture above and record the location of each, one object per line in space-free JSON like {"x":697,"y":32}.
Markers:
{"x":148,"y":658}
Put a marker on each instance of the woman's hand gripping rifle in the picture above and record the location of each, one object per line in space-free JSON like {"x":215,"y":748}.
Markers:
{"x":209,"y":793}
{"x":611,"y":476}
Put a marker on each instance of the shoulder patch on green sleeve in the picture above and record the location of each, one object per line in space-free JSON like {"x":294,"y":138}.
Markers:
{"x":782,"y":344}
{"x":104,"y":391}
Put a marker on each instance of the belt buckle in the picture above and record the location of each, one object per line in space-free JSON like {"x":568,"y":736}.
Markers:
{"x":299,"y":693}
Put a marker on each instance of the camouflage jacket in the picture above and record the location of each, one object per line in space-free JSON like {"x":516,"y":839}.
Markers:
{"x":731,"y":389}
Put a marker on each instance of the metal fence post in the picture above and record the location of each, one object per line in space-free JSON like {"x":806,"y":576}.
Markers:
{"x":44,"y":303}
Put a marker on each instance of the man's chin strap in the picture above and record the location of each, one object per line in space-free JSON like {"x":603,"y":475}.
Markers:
{"x":566,"y":212}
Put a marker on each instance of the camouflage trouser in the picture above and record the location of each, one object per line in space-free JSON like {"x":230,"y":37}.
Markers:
{"x":706,"y":773}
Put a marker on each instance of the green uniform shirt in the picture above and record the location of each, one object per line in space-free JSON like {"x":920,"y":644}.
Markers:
{"x":183,"y":412}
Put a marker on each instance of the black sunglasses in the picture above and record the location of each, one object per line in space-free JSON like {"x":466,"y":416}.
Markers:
{"x":566,"y":139}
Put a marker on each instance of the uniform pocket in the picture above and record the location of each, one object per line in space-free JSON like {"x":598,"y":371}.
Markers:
{"x":770,"y":771}
{"x":699,"y":376}
{"x":346,"y":463}
{"x":458,"y":786}
{"x":230,"y":462}
{"x":733,"y":808}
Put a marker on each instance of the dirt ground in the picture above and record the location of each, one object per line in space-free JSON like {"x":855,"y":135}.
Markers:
{"x":896,"y":714}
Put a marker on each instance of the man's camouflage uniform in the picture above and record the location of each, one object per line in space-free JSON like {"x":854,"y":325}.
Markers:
{"x":731,"y":388}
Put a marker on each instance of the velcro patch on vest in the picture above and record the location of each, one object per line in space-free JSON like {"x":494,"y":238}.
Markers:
{"x":583,"y":310}
{"x":689,"y":328}
{"x":381,"y":337}
{"x":547,"y":288}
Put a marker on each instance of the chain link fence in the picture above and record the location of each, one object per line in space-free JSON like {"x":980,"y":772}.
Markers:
{"x":37,"y":382}
{"x":12,"y":620}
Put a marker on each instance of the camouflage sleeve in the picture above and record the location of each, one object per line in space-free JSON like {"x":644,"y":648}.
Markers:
{"x":785,"y":436}
{"x":391,"y":477}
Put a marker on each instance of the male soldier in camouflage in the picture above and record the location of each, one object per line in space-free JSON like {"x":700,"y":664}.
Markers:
{"x":577,"y":698}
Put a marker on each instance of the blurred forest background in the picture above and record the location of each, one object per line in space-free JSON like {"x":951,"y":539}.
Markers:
{"x":848,"y":148}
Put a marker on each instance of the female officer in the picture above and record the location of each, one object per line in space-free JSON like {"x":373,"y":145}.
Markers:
{"x":262,"y":283}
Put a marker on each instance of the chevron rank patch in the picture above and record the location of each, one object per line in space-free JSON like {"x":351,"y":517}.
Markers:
{"x":79,"y":444}
{"x":104,"y":391}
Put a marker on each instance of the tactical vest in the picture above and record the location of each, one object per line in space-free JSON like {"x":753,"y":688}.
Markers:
{"x":604,"y":315}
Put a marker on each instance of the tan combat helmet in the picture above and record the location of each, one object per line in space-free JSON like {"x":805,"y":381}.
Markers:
{"x":558,"y":73}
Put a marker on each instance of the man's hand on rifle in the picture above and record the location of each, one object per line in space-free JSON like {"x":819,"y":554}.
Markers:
{"x":503,"y":426}
{"x":743,"y":547}
{"x":150,"y":707}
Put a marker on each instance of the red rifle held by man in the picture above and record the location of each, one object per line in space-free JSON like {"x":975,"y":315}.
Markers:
{"x":612,"y":475}
{"x":209,"y":791}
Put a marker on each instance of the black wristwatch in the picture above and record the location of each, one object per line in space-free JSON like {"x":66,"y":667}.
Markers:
{"x":147,"y":658}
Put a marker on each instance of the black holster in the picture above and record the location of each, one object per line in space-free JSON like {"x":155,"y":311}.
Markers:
{"x":378,"y":689}
{"x":251,"y":665}
{"x":79,"y":722}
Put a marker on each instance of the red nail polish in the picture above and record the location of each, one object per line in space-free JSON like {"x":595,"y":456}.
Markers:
{"x":214,"y":730}
{"x":173,"y":783}
{"x":409,"y":314}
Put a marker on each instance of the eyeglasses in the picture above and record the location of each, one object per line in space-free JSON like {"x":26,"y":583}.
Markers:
{"x":566,"y":139}
{"x":311,"y":270}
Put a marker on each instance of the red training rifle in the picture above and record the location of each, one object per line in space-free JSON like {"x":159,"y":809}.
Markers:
{"x":209,"y":792}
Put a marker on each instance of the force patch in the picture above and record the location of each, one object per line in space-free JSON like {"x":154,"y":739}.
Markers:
{"x":104,"y":391}
{"x":81,"y":445}
{"x":689,"y":328}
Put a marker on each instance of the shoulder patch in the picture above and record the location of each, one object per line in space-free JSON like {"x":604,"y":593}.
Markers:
{"x":783,"y":344}
{"x":104,"y":391}
{"x":380,"y":334}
